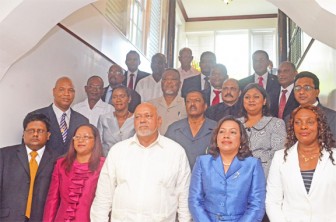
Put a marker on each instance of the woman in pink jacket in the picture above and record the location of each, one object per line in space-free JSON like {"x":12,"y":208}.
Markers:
{"x":75,"y":177}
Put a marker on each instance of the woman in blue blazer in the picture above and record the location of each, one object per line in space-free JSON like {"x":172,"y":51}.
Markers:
{"x":229,"y":184}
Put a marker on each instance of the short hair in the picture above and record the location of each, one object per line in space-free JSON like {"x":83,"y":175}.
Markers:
{"x":89,"y":79}
{"x":244,"y":149}
{"x":290,"y":64}
{"x":306,"y":74}
{"x":97,"y":151}
{"x":133,"y":52}
{"x":261,"y":51}
{"x":120,"y":86}
{"x":31,"y":117}
{"x":174,"y":70}
{"x":265,"y":108}
{"x":185,"y":49}
{"x":208,"y":53}
{"x":221,"y":67}
{"x":197,"y":91}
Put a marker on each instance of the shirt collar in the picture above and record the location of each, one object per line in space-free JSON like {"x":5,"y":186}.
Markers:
{"x":158,"y":141}
{"x":59,"y":112}
{"x":289,"y":88}
{"x":39,"y":152}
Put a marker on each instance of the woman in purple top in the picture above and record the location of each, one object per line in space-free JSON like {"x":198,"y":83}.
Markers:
{"x":75,"y":177}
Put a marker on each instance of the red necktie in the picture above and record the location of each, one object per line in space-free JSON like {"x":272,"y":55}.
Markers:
{"x":260,"y":83}
{"x":282,"y":103}
{"x":130,"y":83}
{"x":216,"y":99}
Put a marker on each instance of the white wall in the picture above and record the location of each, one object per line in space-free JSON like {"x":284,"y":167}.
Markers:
{"x":28,"y":84}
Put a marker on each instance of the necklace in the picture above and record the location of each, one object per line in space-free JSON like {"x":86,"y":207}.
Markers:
{"x":226,"y":164}
{"x":306,"y":159}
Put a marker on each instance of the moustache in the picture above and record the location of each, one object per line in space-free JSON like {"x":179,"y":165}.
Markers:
{"x":229,"y":95}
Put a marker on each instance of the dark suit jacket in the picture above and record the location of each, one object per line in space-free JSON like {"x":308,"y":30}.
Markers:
{"x":56,"y":140}
{"x":207,"y":95}
{"x":192,"y":83}
{"x":272,"y":86}
{"x":217,"y":112}
{"x":15,"y":180}
{"x":135,"y":99}
{"x":290,"y":105}
{"x":140,"y":75}
{"x":331,"y":118}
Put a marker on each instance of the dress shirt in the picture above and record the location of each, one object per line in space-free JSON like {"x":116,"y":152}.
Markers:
{"x":174,"y":112}
{"x":203,"y":81}
{"x":99,"y":108}
{"x":129,"y":77}
{"x":148,"y":88}
{"x":39,"y":154}
{"x":287,"y":199}
{"x":265,"y":76}
{"x":289,"y":91}
{"x":180,"y":132}
{"x":186,"y":74}
{"x":266,"y":137}
{"x":213,"y":95}
{"x":143,"y":184}
{"x":111,"y":133}
{"x":59,"y":114}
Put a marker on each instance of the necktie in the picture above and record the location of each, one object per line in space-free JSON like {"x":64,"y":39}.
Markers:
{"x":33,"y":166}
{"x":260,"y":83}
{"x":206,"y":82}
{"x":130,"y":83}
{"x":63,"y":127}
{"x":216,"y":99}
{"x":282,"y":103}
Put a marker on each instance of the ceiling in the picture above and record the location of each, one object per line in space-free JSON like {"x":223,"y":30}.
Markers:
{"x":217,"y":8}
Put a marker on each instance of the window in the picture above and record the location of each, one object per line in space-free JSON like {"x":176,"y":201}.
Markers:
{"x":137,"y":13}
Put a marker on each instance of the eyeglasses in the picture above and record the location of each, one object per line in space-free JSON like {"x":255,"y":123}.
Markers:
{"x":306,"y":88}
{"x":33,"y":131}
{"x":85,"y":138}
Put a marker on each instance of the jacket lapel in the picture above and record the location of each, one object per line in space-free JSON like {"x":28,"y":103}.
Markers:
{"x":318,"y":174}
{"x":23,"y":157}
{"x":46,"y":158}
{"x":217,"y":164}
{"x":234,"y":169}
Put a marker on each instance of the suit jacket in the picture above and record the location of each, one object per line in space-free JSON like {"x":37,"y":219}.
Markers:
{"x":15,"y":181}
{"x":135,"y":99}
{"x":272,"y":87}
{"x":291,"y":104}
{"x":237,"y":195}
{"x":331,"y":117}
{"x":56,"y":141}
{"x":207,"y":95}
{"x":217,"y":112}
{"x":192,"y":83}
{"x":287,"y":199}
{"x":140,"y":75}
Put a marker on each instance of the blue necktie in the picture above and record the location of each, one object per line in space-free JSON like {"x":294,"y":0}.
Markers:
{"x":63,"y":127}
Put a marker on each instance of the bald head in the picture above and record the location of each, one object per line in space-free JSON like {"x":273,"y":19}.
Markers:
{"x":64,"y":93}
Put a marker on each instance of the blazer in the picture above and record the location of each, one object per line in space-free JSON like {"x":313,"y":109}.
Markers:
{"x":140,"y":75}
{"x":291,"y":104}
{"x":287,"y":199}
{"x":331,"y":118}
{"x":217,"y":112}
{"x":15,"y":182}
{"x":272,"y":87}
{"x":56,"y":141}
{"x":135,"y":99}
{"x":207,"y":95}
{"x":237,"y":195}
{"x":191,"y":83}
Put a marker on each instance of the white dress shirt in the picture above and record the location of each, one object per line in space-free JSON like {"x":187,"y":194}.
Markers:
{"x":143,"y":184}
{"x":100,"y":108}
{"x":186,"y":74}
{"x":213,"y":95}
{"x":148,"y":88}
{"x":265,"y":76}
{"x":289,"y":91}
{"x":129,"y":77}
{"x":59,"y":114}
{"x":39,"y":154}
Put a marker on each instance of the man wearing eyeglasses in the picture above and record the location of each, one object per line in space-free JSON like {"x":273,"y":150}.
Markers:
{"x":285,"y":102}
{"x":93,"y":106}
{"x":25,"y":172}
{"x":306,"y":91}
{"x":116,"y":78}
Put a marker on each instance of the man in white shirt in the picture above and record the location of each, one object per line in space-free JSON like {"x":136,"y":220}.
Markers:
{"x":186,"y":70}
{"x":170,"y":106}
{"x":92,"y":107}
{"x":150,"y":86}
{"x":144,"y":178}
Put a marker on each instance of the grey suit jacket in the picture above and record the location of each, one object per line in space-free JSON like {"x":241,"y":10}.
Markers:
{"x":331,"y":118}
{"x":56,"y":141}
{"x":15,"y":180}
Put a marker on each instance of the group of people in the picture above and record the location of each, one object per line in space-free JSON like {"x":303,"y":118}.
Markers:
{"x":176,"y":145}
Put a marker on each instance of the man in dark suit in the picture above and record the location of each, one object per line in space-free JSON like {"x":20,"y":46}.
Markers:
{"x":261,"y":76}
{"x":133,"y":74}
{"x":116,"y":78}
{"x":22,"y":195}
{"x":200,"y":82}
{"x":63,"y":120}
{"x":231,"y":103}
{"x":285,"y":102}
{"x":306,"y":91}
{"x":217,"y":77}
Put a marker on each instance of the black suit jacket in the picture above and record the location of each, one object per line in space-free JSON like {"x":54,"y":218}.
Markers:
{"x":291,"y":104}
{"x":135,"y":99}
{"x":272,"y":86}
{"x":15,"y":180}
{"x":192,"y":83}
{"x":217,"y":112}
{"x":140,"y":75}
{"x":331,"y":118}
{"x":207,"y":95}
{"x":56,"y":141}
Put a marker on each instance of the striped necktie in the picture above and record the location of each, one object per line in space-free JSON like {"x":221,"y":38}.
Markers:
{"x":33,"y":166}
{"x":64,"y":127}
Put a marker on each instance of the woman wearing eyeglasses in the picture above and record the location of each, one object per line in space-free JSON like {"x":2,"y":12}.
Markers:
{"x":118,"y":125}
{"x":74,"y":180}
